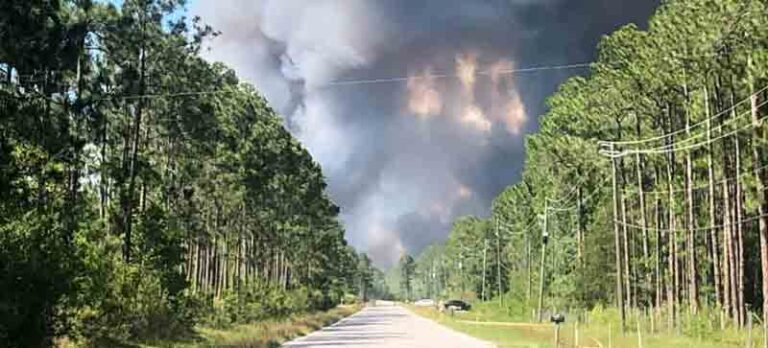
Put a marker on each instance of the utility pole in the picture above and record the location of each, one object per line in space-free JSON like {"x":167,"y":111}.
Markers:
{"x":544,"y":240}
{"x":579,"y":229}
{"x":461,"y":270}
{"x":485,"y":251}
{"x":498,"y":263}
{"x":528,"y":266}
{"x":617,"y":239}
{"x":432,"y":285}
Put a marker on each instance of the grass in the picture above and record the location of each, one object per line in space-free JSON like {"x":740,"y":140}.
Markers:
{"x":268,"y":333}
{"x":489,"y":322}
{"x":502,"y":336}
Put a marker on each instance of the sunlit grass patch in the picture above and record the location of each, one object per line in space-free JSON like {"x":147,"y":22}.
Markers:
{"x":533,"y":336}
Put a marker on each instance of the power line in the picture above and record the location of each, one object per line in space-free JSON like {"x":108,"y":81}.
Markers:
{"x":703,"y":186}
{"x":666,"y":149}
{"x":539,"y":68}
{"x":667,"y":135}
{"x":168,"y":95}
{"x":701,"y":134}
{"x":441,"y":76}
{"x":589,"y":197}
{"x":693,"y":146}
{"x":341,"y":83}
{"x":653,"y":229}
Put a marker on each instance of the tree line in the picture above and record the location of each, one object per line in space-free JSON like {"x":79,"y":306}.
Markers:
{"x":644,"y":188}
{"x":144,"y":189}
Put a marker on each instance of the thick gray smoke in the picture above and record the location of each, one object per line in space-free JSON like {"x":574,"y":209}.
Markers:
{"x":403,"y":159}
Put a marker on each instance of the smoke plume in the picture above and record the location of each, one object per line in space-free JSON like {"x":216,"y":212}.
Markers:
{"x":404,"y":158}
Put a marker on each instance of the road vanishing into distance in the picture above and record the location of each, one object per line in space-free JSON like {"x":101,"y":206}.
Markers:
{"x":387,"y":325}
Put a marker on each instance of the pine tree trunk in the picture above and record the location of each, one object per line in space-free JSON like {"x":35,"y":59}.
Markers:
{"x":224,"y":272}
{"x":627,"y":279}
{"x":659,"y":243}
{"x":127,"y":201}
{"x":739,"y":247}
{"x":200,"y":265}
{"x":693,"y":286}
{"x":728,"y":289}
{"x":205,"y":271}
{"x":192,"y":278}
{"x":213,"y":263}
{"x":732,"y":264}
{"x":714,"y":256}
{"x":672,"y":284}
{"x":104,"y":176}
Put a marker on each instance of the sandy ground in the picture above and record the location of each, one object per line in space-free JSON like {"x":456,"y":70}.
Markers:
{"x":387,"y":325}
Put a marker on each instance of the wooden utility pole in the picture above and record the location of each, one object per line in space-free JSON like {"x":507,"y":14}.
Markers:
{"x":498,"y":264}
{"x":461,"y":270}
{"x":739,"y":234}
{"x":544,"y":236}
{"x":433,"y":282}
{"x":528,"y":266}
{"x":617,"y":240}
{"x":579,"y":228}
{"x":758,"y":158}
{"x":485,"y":252}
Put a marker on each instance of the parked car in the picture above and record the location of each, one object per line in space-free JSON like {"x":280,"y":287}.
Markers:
{"x":425,"y":302}
{"x":456,"y":305}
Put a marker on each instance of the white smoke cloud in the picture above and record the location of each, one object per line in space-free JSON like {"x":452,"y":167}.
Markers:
{"x":322,"y":37}
{"x":277,"y":43}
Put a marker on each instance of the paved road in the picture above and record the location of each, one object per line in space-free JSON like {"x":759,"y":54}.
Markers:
{"x":385,"y":326}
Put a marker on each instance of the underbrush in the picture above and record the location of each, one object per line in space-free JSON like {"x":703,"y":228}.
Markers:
{"x":258,"y":302}
{"x":266,"y":333}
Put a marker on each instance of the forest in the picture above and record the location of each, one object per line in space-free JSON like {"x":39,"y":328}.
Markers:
{"x":145,"y":190}
{"x":644,"y":190}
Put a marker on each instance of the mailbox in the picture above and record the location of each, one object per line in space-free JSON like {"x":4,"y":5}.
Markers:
{"x":557,"y":318}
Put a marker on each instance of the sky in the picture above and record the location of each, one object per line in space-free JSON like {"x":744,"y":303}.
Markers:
{"x":405,"y":156}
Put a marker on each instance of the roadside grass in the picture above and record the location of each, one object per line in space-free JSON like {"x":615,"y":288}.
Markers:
{"x":503,"y":337}
{"x":489,"y":322}
{"x":268,"y":333}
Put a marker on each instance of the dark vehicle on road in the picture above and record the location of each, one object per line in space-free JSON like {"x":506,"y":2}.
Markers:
{"x":457,"y":305}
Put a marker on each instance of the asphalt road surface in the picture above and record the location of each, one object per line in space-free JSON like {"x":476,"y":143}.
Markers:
{"x":386,"y":325}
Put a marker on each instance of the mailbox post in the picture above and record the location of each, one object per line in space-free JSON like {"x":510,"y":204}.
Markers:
{"x":557,"y":319}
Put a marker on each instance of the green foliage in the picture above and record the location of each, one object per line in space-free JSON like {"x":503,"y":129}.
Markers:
{"x":134,"y":304}
{"x":35,"y":275}
{"x":257,"y":302}
{"x":406,"y":266}
{"x":469,"y":265}
{"x":131,"y":209}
